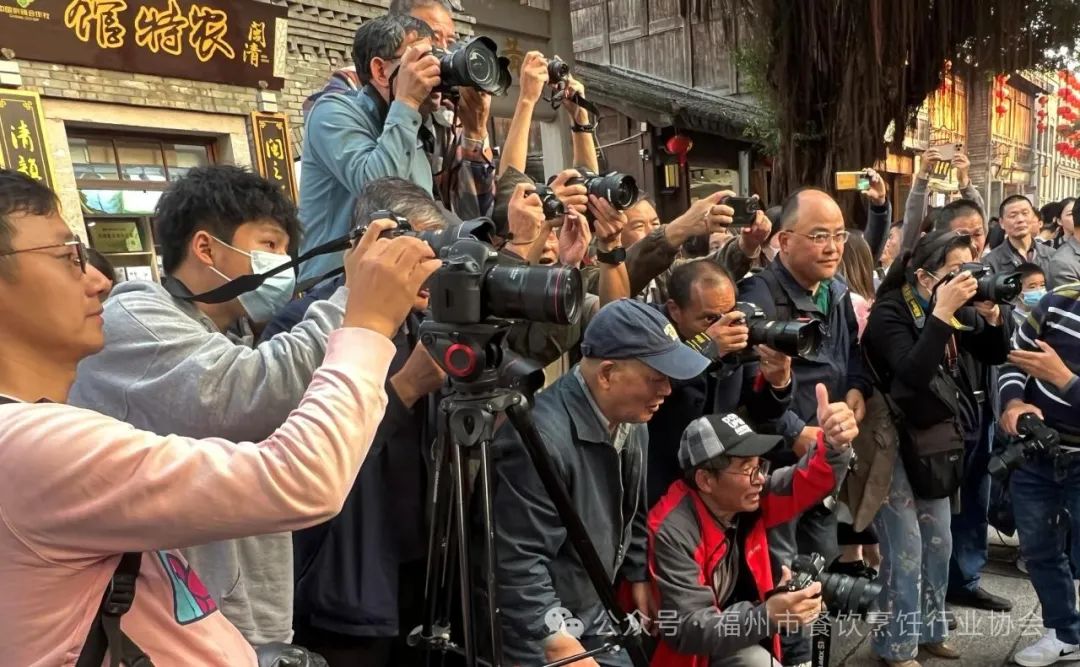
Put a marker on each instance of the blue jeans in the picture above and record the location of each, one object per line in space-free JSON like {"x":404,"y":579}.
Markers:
{"x":969,"y":526}
{"x":1046,"y":503}
{"x":915,"y":547}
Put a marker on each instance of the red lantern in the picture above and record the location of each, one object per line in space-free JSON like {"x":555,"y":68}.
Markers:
{"x":1041,"y":127}
{"x":1041,"y":113}
{"x":1061,"y":147}
{"x":1043,"y":99}
{"x":679,"y":145}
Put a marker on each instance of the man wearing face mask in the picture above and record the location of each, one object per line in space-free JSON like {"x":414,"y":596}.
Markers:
{"x":174,"y":365}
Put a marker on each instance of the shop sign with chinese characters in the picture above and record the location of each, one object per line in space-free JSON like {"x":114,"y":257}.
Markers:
{"x":223,"y":41}
{"x":22,"y":130}
{"x":272,"y":152}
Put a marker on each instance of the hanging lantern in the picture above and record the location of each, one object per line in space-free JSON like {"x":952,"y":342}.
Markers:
{"x":1043,"y":99}
{"x":1041,"y":113}
{"x":1001,"y":109}
{"x":1061,"y":147}
{"x":679,"y":145}
{"x":1041,"y":127}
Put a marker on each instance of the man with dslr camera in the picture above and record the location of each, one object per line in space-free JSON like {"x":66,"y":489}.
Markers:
{"x":801,"y":283}
{"x":84,"y":496}
{"x":358,"y":136}
{"x":710,"y":556}
{"x":1041,"y":380}
{"x":702,"y":307}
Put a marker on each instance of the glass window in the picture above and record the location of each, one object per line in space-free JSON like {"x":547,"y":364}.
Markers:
{"x":93,"y":158}
{"x":140,"y":160}
{"x":181,"y":158}
{"x":115,"y":202}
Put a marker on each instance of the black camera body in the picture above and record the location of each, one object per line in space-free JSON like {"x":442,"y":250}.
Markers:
{"x":474,"y":63}
{"x":795,"y":338}
{"x":999,"y":288}
{"x":745,"y":208}
{"x":618,"y":189}
{"x":1036,"y":439}
{"x":841,"y":593}
{"x":558,"y":71}
{"x":481,"y":229}
{"x":553,"y":206}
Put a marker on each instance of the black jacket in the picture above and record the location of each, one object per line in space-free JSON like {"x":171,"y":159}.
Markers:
{"x":907,"y":356}
{"x":347,"y":567}
{"x":537,"y":569}
{"x":724,"y":388}
{"x":838,"y":362}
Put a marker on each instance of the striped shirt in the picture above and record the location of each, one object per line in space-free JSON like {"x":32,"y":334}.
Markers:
{"x":1055,"y":321}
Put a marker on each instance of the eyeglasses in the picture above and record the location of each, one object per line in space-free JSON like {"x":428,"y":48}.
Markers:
{"x":822,"y":238}
{"x":762,"y":468}
{"x":78,"y":252}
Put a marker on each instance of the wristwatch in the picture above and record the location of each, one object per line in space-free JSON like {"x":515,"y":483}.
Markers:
{"x":613,"y":257}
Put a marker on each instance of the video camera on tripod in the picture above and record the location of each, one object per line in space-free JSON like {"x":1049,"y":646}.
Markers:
{"x":1036,"y":439}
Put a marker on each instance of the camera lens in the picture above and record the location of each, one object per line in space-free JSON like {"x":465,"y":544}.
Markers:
{"x":848,"y":595}
{"x":999,"y":288}
{"x":620,"y":190}
{"x":534,"y":293}
{"x":481,"y":65}
{"x":795,"y":339}
{"x":474,"y":64}
{"x":557,"y":69}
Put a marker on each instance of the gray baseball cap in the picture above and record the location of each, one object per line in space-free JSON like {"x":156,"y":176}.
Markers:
{"x":628,"y":329}
{"x":725,"y":434}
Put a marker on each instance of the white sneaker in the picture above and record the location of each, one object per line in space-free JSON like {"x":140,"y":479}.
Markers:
{"x":1047,"y":651}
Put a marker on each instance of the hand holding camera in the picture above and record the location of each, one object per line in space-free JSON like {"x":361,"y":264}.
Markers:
{"x":525,"y":215}
{"x":954,"y":294}
{"x":571,"y":191}
{"x":962,"y":165}
{"x":534,"y":76}
{"x":418,"y":377}
{"x":790,"y":610}
{"x":399,"y":266}
{"x":574,"y":240}
{"x":729,"y":333}
{"x":775,"y":366}
{"x":837,"y":420}
{"x":990,"y":312}
{"x":609,"y":223}
{"x":574,"y":88}
{"x":417,"y":75}
{"x":876,"y":193}
{"x":473,"y":109}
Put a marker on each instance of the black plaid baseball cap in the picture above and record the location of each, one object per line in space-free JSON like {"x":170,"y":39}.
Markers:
{"x":724,"y":434}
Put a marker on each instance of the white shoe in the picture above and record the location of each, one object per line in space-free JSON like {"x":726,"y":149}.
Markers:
{"x":1047,"y":651}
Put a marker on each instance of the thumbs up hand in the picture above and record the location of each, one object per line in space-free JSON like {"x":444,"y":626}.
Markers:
{"x":837,"y":420}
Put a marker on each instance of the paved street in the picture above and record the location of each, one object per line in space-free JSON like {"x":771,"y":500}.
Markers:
{"x":982,"y":637}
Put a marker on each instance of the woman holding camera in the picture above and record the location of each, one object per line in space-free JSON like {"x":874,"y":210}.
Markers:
{"x":924,"y":342}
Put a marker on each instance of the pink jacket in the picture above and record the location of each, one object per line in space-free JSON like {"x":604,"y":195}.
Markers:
{"x":78,"y":488}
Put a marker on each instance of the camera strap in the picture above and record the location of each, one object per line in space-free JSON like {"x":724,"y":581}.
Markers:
{"x":251,"y":281}
{"x":919,"y":314}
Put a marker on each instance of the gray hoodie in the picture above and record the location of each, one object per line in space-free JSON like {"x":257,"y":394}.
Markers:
{"x":166,"y":368}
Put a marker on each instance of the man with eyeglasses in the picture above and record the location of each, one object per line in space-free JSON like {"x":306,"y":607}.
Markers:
{"x":801,"y":283}
{"x":710,"y":556}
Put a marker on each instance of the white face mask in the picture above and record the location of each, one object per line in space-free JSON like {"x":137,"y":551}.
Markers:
{"x":262,"y":303}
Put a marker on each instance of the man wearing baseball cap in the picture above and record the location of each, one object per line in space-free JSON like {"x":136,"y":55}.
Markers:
{"x":592,"y":421}
{"x":709,"y":556}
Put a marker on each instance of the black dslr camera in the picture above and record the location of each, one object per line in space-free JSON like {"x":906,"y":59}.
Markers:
{"x":1036,"y":439}
{"x":841,"y":593}
{"x":1002,"y":288}
{"x":438,"y":239}
{"x":620,"y":190}
{"x":475,"y":63}
{"x":795,"y":338}
{"x":553,"y":206}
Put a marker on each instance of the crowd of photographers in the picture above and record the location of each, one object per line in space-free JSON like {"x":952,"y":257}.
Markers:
{"x":702,"y":389}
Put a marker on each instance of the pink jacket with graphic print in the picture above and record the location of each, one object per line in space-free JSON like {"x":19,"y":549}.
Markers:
{"x":78,"y":488}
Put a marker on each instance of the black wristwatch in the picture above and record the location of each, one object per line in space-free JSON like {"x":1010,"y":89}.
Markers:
{"x":613,"y":257}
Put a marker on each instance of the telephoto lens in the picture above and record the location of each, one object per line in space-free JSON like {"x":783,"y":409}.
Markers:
{"x":473,"y":64}
{"x":841,"y":593}
{"x":534,"y":293}
{"x":795,"y":338}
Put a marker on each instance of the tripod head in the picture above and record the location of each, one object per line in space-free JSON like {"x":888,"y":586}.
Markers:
{"x":477,"y":360}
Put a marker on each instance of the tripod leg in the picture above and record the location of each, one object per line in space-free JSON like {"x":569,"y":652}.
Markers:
{"x":461,"y":518}
{"x":437,"y":532}
{"x":575,"y":530}
{"x":489,"y":555}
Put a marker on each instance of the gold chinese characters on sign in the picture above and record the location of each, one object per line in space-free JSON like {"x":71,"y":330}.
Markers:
{"x":272,"y":152}
{"x":224,"y":41}
{"x":23,"y":136}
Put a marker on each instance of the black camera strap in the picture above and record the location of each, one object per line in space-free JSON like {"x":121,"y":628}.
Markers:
{"x":105,"y":632}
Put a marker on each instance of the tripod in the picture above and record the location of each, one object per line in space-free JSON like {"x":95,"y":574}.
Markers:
{"x":473,"y":357}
